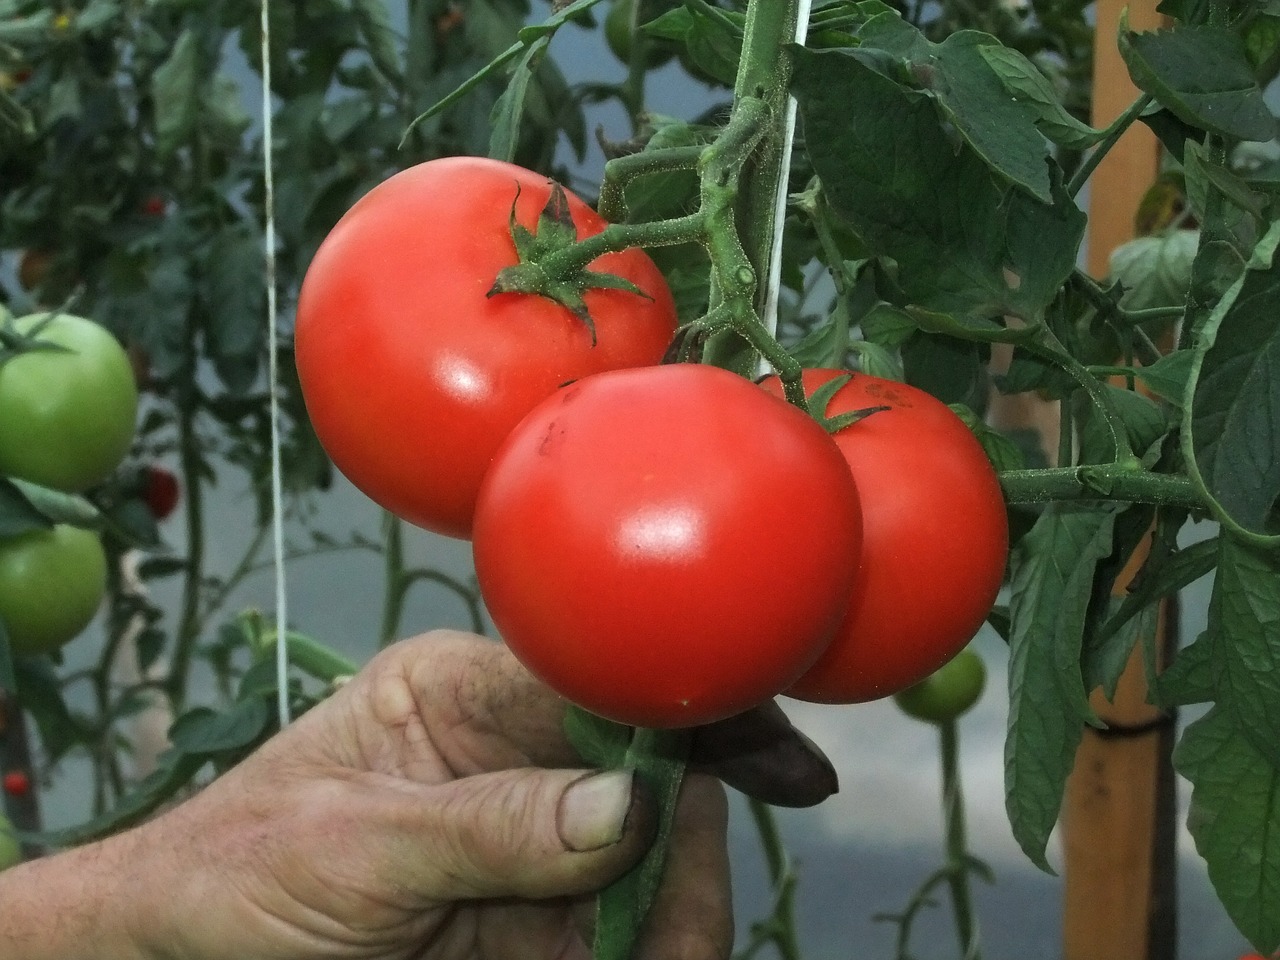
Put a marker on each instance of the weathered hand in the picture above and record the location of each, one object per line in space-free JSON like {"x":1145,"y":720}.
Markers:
{"x":433,"y":808}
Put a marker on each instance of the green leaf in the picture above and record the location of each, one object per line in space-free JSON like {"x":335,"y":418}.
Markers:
{"x":1167,"y":377}
{"x":1244,"y":615}
{"x":174,"y":88}
{"x":1155,"y":271}
{"x":222,"y":113}
{"x":1003,"y":453}
{"x":1163,"y":575}
{"x":972,"y":96}
{"x":887,"y":325}
{"x":966,"y":242}
{"x":380,"y":39}
{"x":57,"y":506}
{"x":1189,"y":678}
{"x":204,"y":732}
{"x":1234,"y":819}
{"x":876,"y":360}
{"x":1026,"y":83}
{"x":17,"y":513}
{"x":951,"y":370}
{"x":823,"y":346}
{"x":40,"y":694}
{"x":509,"y":109}
{"x":1232,"y":437}
{"x":1051,"y":588}
{"x":1202,"y":75}
{"x":233,"y":288}
{"x":1104,"y":655}
{"x":1143,"y":420}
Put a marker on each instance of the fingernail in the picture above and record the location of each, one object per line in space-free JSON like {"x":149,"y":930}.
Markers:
{"x":593,"y":811}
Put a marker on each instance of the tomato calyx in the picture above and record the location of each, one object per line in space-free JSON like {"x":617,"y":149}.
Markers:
{"x":555,"y":233}
{"x":821,"y":397}
{"x":13,"y":343}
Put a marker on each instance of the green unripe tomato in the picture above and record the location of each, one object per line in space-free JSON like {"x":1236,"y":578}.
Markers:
{"x":51,"y":583}
{"x":947,"y":692}
{"x":67,"y":416}
{"x":620,"y":34}
{"x":10,"y":849}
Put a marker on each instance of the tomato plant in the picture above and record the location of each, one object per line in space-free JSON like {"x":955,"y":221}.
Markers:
{"x":51,"y":584}
{"x":16,"y":783}
{"x":947,"y":692}
{"x":667,"y":546}
{"x":412,"y":372}
{"x":67,"y":407}
{"x":934,"y":541}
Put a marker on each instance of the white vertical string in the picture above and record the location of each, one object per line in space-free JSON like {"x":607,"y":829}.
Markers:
{"x":774,"y":280}
{"x":273,"y":365}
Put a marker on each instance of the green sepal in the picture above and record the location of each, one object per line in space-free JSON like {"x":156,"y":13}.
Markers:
{"x":554,"y":233}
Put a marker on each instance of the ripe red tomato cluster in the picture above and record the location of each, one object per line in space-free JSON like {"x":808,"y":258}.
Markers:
{"x":664,"y":545}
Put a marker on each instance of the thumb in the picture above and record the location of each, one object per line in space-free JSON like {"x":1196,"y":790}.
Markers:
{"x":530,"y":833}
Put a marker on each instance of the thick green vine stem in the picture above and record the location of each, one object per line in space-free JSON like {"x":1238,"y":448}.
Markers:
{"x":1114,"y":481}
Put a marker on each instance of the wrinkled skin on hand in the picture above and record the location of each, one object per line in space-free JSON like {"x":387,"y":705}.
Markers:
{"x":432,"y":808}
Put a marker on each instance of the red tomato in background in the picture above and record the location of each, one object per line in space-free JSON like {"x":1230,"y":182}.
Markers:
{"x":17,"y":783}
{"x":412,"y":375}
{"x":667,"y":546}
{"x":934,"y":544}
{"x":160,"y":491}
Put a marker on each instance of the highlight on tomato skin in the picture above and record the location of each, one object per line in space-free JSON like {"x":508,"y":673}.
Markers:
{"x":935,"y":540}
{"x":667,"y":546}
{"x":411,"y":373}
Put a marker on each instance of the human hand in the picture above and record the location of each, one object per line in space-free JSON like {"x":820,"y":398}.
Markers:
{"x":432,"y":808}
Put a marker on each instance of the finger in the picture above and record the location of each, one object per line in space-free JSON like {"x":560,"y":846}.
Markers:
{"x":760,"y":753}
{"x":497,"y":714}
{"x":519,"y":833}
{"x":692,"y":916}
{"x":533,"y":929}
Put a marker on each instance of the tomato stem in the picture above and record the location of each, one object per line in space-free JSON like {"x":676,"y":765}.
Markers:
{"x":564,"y":264}
{"x":1115,"y":481}
{"x":621,"y":171}
{"x":658,"y":758}
{"x":957,"y":851}
{"x":780,"y":927}
{"x":1114,"y":132}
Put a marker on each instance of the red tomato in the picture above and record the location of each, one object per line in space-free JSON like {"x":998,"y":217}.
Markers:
{"x":934,"y":545}
{"x":667,"y":546}
{"x":17,"y":783}
{"x":160,"y":491}
{"x":412,"y":375}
